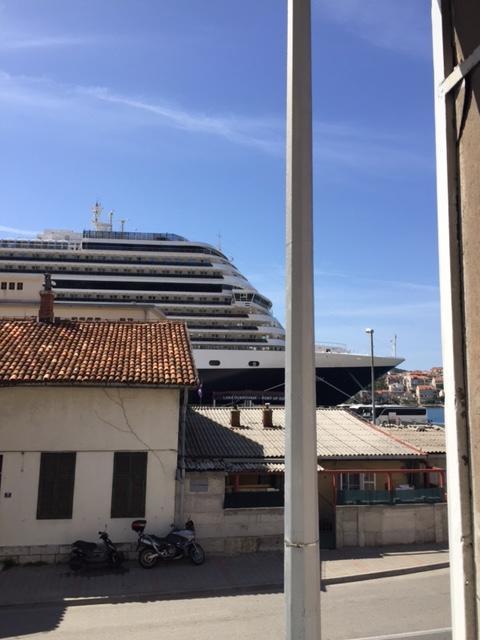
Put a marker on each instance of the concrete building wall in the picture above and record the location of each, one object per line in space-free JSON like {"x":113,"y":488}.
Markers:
{"x":95,"y":423}
{"x":380,"y":525}
{"x":245,"y":530}
{"x":229,"y":530}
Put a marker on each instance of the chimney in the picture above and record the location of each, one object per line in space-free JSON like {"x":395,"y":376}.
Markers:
{"x":45,"y":313}
{"x":235,"y":417}
{"x":267,"y":417}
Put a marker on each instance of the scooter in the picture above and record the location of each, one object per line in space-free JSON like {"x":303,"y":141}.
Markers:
{"x":178,"y":544}
{"x":86,"y":554}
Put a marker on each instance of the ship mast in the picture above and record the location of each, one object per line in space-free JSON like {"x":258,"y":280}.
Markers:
{"x":96,"y":221}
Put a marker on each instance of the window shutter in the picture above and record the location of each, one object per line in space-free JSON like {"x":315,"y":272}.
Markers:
{"x":56,"y":485}
{"x":129,"y":484}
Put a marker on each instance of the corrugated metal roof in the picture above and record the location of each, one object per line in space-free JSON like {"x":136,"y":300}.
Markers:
{"x":339,"y":435}
{"x":236,"y":466}
{"x":429,"y":440}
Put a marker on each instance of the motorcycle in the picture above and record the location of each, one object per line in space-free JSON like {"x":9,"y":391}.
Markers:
{"x":84,"y":553}
{"x":179,"y":543}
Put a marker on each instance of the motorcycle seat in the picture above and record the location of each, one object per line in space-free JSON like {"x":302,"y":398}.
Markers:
{"x":85,"y":546}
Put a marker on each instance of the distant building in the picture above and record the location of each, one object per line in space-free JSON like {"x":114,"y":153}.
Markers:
{"x":374,"y":489}
{"x":425,"y":394}
{"x":413,"y":379}
{"x":396,"y":388}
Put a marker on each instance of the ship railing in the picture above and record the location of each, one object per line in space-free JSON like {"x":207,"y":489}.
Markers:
{"x":333,"y":347}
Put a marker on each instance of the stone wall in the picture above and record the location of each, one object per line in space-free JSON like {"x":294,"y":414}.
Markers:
{"x":222,"y":530}
{"x":380,"y":525}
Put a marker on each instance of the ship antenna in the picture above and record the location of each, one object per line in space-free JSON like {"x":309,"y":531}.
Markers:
{"x":110,"y":219}
{"x":97,"y":212}
{"x":394,"y":345}
{"x":122,"y":225}
{"x":219,"y":245}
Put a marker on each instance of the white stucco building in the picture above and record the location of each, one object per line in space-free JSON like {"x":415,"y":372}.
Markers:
{"x":88,"y":430}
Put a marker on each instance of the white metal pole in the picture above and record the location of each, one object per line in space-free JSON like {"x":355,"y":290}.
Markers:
{"x":460,"y":525}
{"x":302,"y":559}
{"x":372,"y":365}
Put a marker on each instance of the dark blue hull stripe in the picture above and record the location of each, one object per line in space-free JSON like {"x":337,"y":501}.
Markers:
{"x":334,"y":385}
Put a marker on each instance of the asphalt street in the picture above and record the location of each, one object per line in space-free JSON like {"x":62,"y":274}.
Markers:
{"x":396,"y":608}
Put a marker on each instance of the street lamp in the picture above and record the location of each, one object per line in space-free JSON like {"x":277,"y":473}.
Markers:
{"x":372,"y":366}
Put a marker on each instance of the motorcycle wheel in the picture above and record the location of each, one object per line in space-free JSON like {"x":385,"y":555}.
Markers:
{"x":197,"y":554}
{"x":147,"y":558}
{"x":76,"y":563}
{"x":117,"y":559}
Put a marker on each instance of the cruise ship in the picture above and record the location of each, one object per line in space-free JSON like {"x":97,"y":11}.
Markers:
{"x":238,"y":345}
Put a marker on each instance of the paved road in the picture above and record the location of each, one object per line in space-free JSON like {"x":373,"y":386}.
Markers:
{"x":375,"y":608}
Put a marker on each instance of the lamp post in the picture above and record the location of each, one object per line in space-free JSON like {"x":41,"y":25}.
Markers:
{"x":372,"y":367}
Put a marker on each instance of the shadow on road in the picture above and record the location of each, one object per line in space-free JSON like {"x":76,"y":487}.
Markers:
{"x":16,"y":621}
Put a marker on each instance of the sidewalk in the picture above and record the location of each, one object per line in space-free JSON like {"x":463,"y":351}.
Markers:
{"x":260,"y":572}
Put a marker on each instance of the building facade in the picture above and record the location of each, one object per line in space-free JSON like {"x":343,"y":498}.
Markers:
{"x":89,"y":431}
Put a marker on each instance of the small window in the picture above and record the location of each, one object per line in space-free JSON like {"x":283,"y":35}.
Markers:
{"x":199,"y":485}
{"x":11,"y":285}
{"x":4,"y":285}
{"x":55,"y":486}
{"x":214,"y":363}
{"x":129,"y":484}
{"x":19,"y":286}
{"x":254,"y":363}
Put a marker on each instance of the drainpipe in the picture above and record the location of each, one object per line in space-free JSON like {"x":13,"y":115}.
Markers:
{"x":183,"y":429}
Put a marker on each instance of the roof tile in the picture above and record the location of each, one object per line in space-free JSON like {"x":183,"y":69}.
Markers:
{"x":85,"y":353}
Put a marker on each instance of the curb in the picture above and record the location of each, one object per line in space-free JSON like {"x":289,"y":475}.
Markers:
{"x":275,"y":587}
{"x":386,"y":573}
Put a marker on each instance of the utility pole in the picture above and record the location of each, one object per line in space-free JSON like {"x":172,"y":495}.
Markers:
{"x":302,"y":558}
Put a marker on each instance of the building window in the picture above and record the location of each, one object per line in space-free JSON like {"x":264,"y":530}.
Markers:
{"x":214,"y":363}
{"x":11,"y":285}
{"x":254,"y":363}
{"x":250,"y":490}
{"x":55,"y":486}
{"x":4,"y":285}
{"x":19,"y":286}
{"x":199,"y":485}
{"x":129,"y":484}
{"x":357,"y":481}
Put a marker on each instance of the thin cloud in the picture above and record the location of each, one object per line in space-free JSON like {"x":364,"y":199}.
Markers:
{"x":248,"y":131}
{"x":335,"y":143}
{"x":404,"y":284}
{"x":20,"y":232}
{"x":366,"y":150}
{"x":43,"y":42}
{"x":379,"y":310}
{"x":261,"y":133}
{"x":395,"y":25}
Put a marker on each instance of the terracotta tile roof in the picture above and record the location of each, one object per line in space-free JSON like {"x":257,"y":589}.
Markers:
{"x":209,"y":436}
{"x":95,"y":353}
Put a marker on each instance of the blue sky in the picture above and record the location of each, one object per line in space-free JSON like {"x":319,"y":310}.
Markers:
{"x":172,"y":114}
